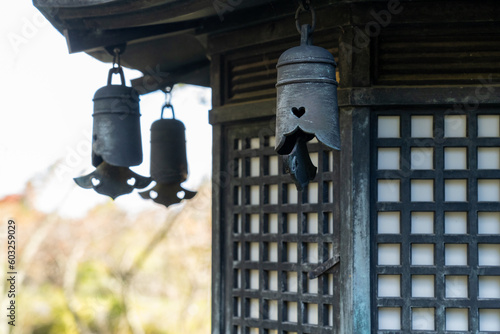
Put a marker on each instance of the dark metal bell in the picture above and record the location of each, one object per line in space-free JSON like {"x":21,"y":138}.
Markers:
{"x":116,"y":135}
{"x":306,"y":105}
{"x":169,"y":166}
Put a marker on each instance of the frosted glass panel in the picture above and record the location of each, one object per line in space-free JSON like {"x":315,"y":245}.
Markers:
{"x":388,"y":222}
{"x":254,"y":308}
{"x":422,"y":319}
{"x":312,"y":253}
{"x":456,"y":287}
{"x":422,"y":158}
{"x":291,"y":281}
{"x":292,"y":313}
{"x":422,"y":286}
{"x":422,"y":190}
{"x":389,"y":285}
{"x":488,"y":222}
{"x":388,"y":127}
{"x":273,"y":165}
{"x":488,"y":190}
{"x":488,"y":158}
{"x":312,"y":193}
{"x":254,"y":143}
{"x":489,"y":320}
{"x":273,"y":223}
{"x":292,"y":223}
{"x":388,"y":158}
{"x":489,"y":254}
{"x":292,"y":194}
{"x":389,"y":318}
{"x":254,"y":223}
{"x":455,"y":158}
{"x":254,"y":195}
{"x":389,"y":254}
{"x":254,"y":166}
{"x":457,"y":319}
{"x":312,"y":223}
{"x":273,"y":194}
{"x":254,"y":251}
{"x":254,"y":279}
{"x":273,"y":252}
{"x":455,"y":126}
{"x":455,"y":222}
{"x":314,"y":158}
{"x":312,"y":314}
{"x":273,"y":280}
{"x":312,"y":285}
{"x":489,"y":286}
{"x":455,"y":190}
{"x":292,"y":251}
{"x":422,"y":254}
{"x":421,"y":126}
{"x":272,"y":141}
{"x":455,"y":255}
{"x":388,"y":190}
{"x":422,"y":222}
{"x":488,"y":126}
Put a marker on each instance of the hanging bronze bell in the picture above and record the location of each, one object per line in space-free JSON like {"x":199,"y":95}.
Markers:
{"x":169,"y":166}
{"x":116,"y":140}
{"x":306,"y":104}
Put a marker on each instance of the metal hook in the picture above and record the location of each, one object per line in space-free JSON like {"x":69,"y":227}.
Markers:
{"x":168,"y":100}
{"x":310,"y":9}
{"x":116,"y":57}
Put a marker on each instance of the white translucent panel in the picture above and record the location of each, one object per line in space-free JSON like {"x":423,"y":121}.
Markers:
{"x":488,"y":190}
{"x":273,"y":309}
{"x":389,"y":318}
{"x":488,"y":126}
{"x":388,"y":127}
{"x":422,"y":158}
{"x":273,"y":251}
{"x":292,"y":223}
{"x":273,"y":280}
{"x":314,"y":158}
{"x":272,"y":141}
{"x":488,"y":223}
{"x":312,"y":314}
{"x":291,"y":251}
{"x":330,"y":250}
{"x":388,"y":158}
{"x":457,"y":319}
{"x":488,"y":158}
{"x":254,"y":223}
{"x":312,"y":285}
{"x":312,"y":252}
{"x":237,"y":224}
{"x":330,"y":315}
{"x":254,"y":331}
{"x":389,"y":285}
{"x":421,"y":126}
{"x":273,"y":223}
{"x":389,"y":222}
{"x":422,"y":190}
{"x":422,"y":222}
{"x":489,"y":286}
{"x":330,"y":160}
{"x":254,"y":308}
{"x":254,"y":143}
{"x":292,"y":312}
{"x":238,"y":195}
{"x":422,"y":286}
{"x":455,"y":254}
{"x":489,"y":254}
{"x":254,"y":251}
{"x":455,"y":222}
{"x":312,"y":223}
{"x":238,"y":330}
{"x":254,"y":166}
{"x":457,"y":287}
{"x":314,"y":140}
{"x":312,"y":193}
{"x":273,"y":165}
{"x":455,"y":126}
{"x":292,"y":194}
{"x":330,"y":192}
{"x":239,"y":144}
{"x":254,"y":195}
{"x":388,"y":190}
{"x":389,"y":254}
{"x":422,"y":319}
{"x":422,"y":254}
{"x":330,"y":284}
{"x":237,"y":255}
{"x":254,"y":279}
{"x":272,"y":331}
{"x":330,"y":222}
{"x":489,"y":320}
{"x":238,"y":307}
{"x":455,"y":158}
{"x":292,"y":281}
{"x":238,"y":278}
{"x":240,"y":172}
{"x":455,"y":190}
{"x":273,"y":194}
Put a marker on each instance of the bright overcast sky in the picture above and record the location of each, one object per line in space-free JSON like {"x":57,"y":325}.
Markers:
{"x":46,"y":116}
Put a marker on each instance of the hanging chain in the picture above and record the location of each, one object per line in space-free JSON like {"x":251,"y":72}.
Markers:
{"x":168,"y":101}
{"x":116,"y":58}
{"x":305,"y":6}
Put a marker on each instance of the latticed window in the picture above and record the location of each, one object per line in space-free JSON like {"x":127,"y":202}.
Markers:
{"x":276,"y":237}
{"x":435,"y":220}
